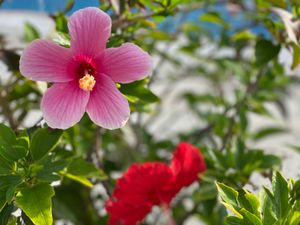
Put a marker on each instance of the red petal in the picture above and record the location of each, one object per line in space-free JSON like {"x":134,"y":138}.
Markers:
{"x":186,"y":164}
{"x":141,"y":187}
{"x":126,"y":214}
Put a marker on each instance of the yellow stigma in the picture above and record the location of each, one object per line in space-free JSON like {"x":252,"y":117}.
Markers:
{"x":87,"y":82}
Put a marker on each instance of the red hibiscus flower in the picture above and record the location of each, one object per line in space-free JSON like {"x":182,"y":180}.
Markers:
{"x":153,"y":183}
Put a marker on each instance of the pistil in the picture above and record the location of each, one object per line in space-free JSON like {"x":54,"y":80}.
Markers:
{"x":87,"y":82}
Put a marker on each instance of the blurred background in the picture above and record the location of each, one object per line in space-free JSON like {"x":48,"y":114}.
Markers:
{"x":225,"y":78}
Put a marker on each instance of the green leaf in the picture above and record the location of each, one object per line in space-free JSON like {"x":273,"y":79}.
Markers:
{"x":265,"y":51}
{"x":23,"y":139}
{"x":295,"y":148}
{"x":213,"y":17}
{"x":10,"y":180}
{"x":30,"y":33}
{"x":270,"y":161}
{"x":8,"y":185}
{"x":243,"y":36}
{"x":62,"y":39}
{"x":281,"y":195}
{"x":295,"y":192}
{"x":80,"y":179}
{"x":9,"y":150}
{"x":43,"y":141}
{"x":229,"y":197}
{"x":296,"y":56}
{"x":295,"y":218}
{"x":6,"y":167}
{"x":207,"y":191}
{"x":10,"y":193}
{"x":49,"y":169}
{"x":2,"y":199}
{"x":81,"y":170}
{"x":268,"y":131}
{"x":249,"y":202}
{"x":36,"y":203}
{"x":231,"y":220}
{"x":80,"y":167}
{"x":268,"y":214}
{"x":61,"y":23}
{"x":250,"y":217}
{"x":70,"y":208}
{"x":7,"y":136}
{"x":160,"y":35}
{"x":5,"y":214}
{"x":137,"y":90}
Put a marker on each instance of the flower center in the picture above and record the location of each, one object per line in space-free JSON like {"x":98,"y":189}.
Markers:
{"x":87,"y":82}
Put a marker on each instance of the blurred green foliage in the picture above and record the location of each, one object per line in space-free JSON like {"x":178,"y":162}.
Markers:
{"x":279,"y":206}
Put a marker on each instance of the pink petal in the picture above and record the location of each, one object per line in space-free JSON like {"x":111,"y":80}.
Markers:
{"x":44,"y":60}
{"x":126,"y":63}
{"x":89,"y":29}
{"x":107,"y":107}
{"x":64,"y":104}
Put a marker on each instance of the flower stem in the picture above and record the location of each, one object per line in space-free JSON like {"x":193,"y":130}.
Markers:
{"x":168,"y":214}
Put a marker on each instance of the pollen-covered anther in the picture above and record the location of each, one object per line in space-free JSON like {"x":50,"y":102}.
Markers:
{"x":87,"y":82}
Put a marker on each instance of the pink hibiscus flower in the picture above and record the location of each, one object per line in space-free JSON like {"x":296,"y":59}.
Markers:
{"x":84,"y":75}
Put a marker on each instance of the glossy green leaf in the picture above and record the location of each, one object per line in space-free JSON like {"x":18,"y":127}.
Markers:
{"x":138,"y":90}
{"x":81,"y":170}
{"x":250,"y":218}
{"x":36,"y":203}
{"x":81,"y":167}
{"x":43,"y":141}
{"x":7,"y":136}
{"x":295,"y":218}
{"x":23,"y":139}
{"x":10,"y":180}
{"x":80,"y":179}
{"x":6,"y":167}
{"x":229,"y":197}
{"x":49,"y":169}
{"x":2,"y":199}
{"x":13,"y":153}
{"x":9,"y":148}
{"x":249,"y":202}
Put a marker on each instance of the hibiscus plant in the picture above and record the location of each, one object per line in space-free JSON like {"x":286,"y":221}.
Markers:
{"x":145,"y":112}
